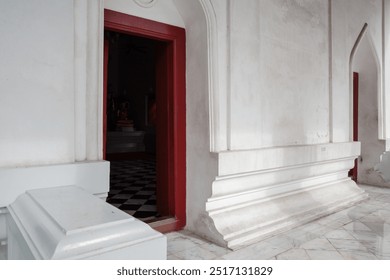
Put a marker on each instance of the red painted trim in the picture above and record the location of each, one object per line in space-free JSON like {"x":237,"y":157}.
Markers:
{"x":170,"y":225}
{"x":137,"y":26}
{"x":176,"y":105}
{"x":164,"y":81}
{"x":105,"y":76}
{"x":355,"y":119}
{"x":355,"y":106}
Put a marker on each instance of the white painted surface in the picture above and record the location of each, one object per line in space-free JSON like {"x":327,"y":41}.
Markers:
{"x":386,"y":67}
{"x":94,"y":82}
{"x":236,"y":162}
{"x":92,"y":176}
{"x":69,"y":223}
{"x":88,"y":80}
{"x":279,"y":73}
{"x":36,"y":82}
{"x":161,"y":11}
{"x":199,"y":158}
{"x":50,"y":103}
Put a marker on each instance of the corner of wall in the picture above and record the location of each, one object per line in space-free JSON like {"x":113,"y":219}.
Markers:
{"x":3,"y":224}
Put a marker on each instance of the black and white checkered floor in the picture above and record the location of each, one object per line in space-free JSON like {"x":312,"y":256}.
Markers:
{"x":133,"y":188}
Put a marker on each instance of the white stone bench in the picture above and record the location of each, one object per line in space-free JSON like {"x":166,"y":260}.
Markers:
{"x":70,"y":223}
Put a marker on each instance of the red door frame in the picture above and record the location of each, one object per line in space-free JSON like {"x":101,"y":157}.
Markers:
{"x":174,"y":139}
{"x":105,"y":76}
{"x":354,"y":171}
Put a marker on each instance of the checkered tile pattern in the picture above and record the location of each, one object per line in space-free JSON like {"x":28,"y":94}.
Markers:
{"x":133,"y":188}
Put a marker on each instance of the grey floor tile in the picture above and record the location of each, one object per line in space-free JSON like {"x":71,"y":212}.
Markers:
{"x":357,"y":255}
{"x":318,"y":244}
{"x":293,"y":254}
{"x":339,"y":234}
{"x":324,"y":255}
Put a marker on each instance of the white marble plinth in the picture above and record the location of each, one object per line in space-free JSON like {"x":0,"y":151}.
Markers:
{"x":69,"y":223}
{"x":278,"y":189}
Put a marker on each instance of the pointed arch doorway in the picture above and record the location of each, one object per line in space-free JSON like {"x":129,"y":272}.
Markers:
{"x":169,"y":42}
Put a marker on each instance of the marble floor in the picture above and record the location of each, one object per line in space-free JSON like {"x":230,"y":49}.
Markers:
{"x":133,"y":188}
{"x":361,"y":232}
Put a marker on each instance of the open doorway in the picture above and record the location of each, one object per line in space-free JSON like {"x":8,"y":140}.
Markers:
{"x":131,"y":124}
{"x":144,"y":124}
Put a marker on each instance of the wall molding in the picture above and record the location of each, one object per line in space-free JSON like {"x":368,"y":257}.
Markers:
{"x":330,"y":50}
{"x":217,"y":99}
{"x":259,"y":193}
{"x":248,"y":213}
{"x":146,"y":3}
{"x":244,"y":161}
{"x":88,"y":79}
{"x":283,"y":213}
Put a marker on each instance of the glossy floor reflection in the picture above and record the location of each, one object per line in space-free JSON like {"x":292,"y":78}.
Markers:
{"x":361,"y":232}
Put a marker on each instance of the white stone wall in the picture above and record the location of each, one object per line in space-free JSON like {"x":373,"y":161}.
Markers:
{"x":158,"y":10}
{"x":51,"y":92}
{"x":36,"y":82}
{"x":279,"y":73}
{"x":50,"y":97}
{"x":386,"y":69}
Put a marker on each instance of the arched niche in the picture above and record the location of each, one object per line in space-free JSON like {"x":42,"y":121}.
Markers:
{"x":365,"y":37}
{"x":369,"y":122}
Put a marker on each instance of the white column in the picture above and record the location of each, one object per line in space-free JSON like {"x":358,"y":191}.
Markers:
{"x":80,"y":78}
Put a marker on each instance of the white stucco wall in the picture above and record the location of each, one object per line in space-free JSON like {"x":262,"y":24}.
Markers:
{"x":36,"y":82}
{"x":49,"y":102}
{"x":386,"y":68}
{"x":201,"y":164}
{"x":161,"y":10}
{"x":279,"y":73}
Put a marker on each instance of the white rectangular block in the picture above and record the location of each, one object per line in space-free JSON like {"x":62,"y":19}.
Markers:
{"x":69,"y":223}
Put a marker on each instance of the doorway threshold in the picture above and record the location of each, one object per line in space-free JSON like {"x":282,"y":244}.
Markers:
{"x":165,"y":224}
